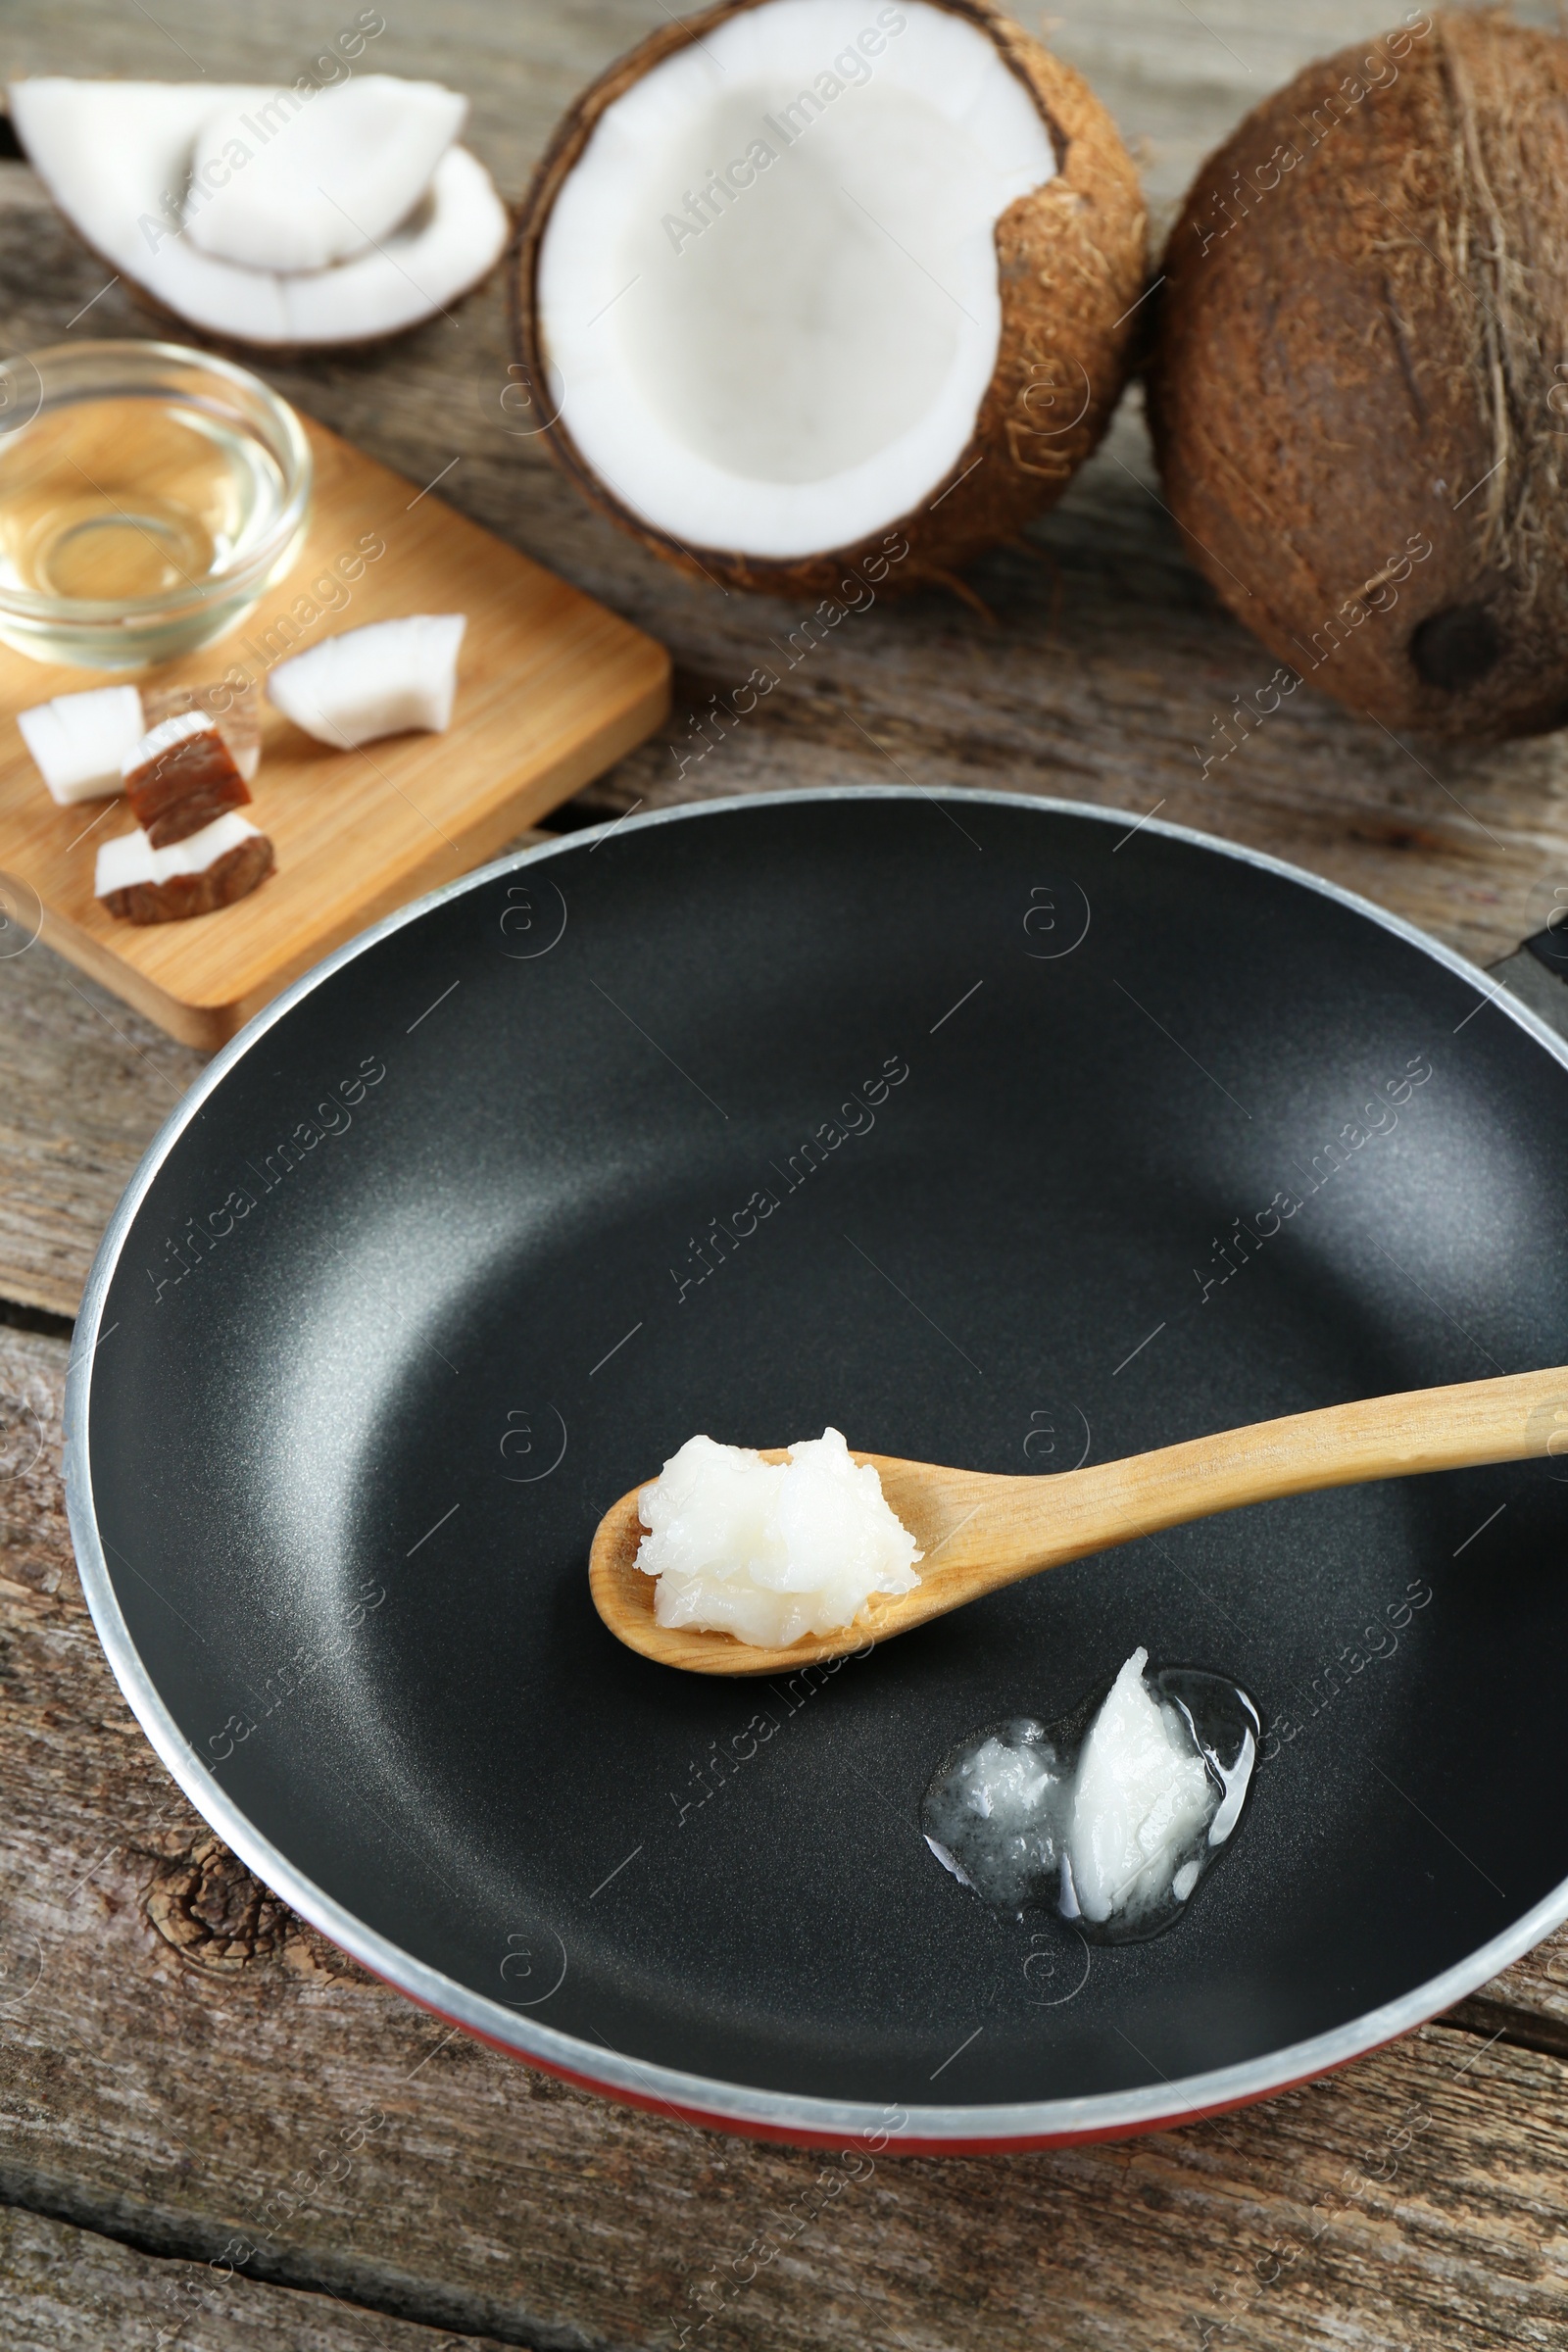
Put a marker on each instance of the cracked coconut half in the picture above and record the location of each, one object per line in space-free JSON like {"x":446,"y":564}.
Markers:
{"x":283,"y":217}
{"x":804,"y":284}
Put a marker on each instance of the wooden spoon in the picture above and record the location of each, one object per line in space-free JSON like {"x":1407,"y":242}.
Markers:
{"x":979,"y":1532}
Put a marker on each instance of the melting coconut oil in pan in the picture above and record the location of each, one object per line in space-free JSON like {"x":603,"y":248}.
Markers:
{"x":1110,"y":1817}
{"x":111,"y":500}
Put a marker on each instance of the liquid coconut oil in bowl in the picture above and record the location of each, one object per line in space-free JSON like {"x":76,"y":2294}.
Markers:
{"x":149,"y":496}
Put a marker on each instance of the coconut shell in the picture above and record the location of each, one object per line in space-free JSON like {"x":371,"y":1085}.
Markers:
{"x":1072,"y":265}
{"x":1360,"y":381}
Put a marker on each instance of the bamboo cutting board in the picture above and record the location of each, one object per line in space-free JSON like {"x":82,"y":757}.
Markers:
{"x":552,"y":689}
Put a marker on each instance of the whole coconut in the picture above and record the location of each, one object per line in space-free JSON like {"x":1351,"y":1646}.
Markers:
{"x":1071,"y":266}
{"x":1359,"y":385}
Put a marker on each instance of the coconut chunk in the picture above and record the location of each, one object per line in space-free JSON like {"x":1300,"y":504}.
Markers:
{"x":79,"y":740}
{"x":181,"y":776}
{"x":1142,"y":1795}
{"x":325,"y":185}
{"x":238,"y":710}
{"x":112,"y":153}
{"x":208,"y":869}
{"x":164,"y":738}
{"x":384,"y":679}
{"x":132,"y":857}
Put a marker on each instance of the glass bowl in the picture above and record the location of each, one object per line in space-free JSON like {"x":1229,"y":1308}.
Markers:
{"x":149,"y":496}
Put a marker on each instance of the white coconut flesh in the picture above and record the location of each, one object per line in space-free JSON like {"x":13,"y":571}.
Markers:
{"x":80,"y":740}
{"x":118,"y":159}
{"x":767,"y":290}
{"x":387,"y":678}
{"x":329,"y":184}
{"x":130,"y":860}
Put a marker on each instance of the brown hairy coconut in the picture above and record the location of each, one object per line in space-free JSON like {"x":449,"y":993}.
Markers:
{"x":1359,"y":388}
{"x":804,"y":286}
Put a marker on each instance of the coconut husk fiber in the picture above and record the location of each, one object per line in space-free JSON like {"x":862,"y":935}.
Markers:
{"x":1072,"y":265}
{"x":1359,"y":383}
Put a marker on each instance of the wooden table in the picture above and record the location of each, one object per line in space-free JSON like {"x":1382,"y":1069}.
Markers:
{"x":184,"y":2065}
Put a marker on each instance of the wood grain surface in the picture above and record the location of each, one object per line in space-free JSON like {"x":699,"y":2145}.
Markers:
{"x":72,"y":2291}
{"x":181,"y":2063}
{"x":552,"y":688}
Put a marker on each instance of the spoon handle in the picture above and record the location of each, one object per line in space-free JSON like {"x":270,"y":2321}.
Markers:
{"x":1044,"y":1521}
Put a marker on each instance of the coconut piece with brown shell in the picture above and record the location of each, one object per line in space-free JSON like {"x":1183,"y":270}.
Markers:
{"x":179,"y":777}
{"x":802,"y":281}
{"x":1359,"y":389}
{"x":235,"y":702}
{"x":225,"y":861}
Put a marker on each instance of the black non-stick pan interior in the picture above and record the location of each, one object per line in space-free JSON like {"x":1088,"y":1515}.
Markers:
{"x":987,"y":1136}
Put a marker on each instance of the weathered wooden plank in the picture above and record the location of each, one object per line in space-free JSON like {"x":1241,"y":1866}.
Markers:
{"x":184,"y":2062}
{"x":181,"y":2059}
{"x":84,"y":1085}
{"x":70,"y":2290}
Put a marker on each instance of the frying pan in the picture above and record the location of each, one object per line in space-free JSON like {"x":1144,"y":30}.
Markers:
{"x":988,"y":1132}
